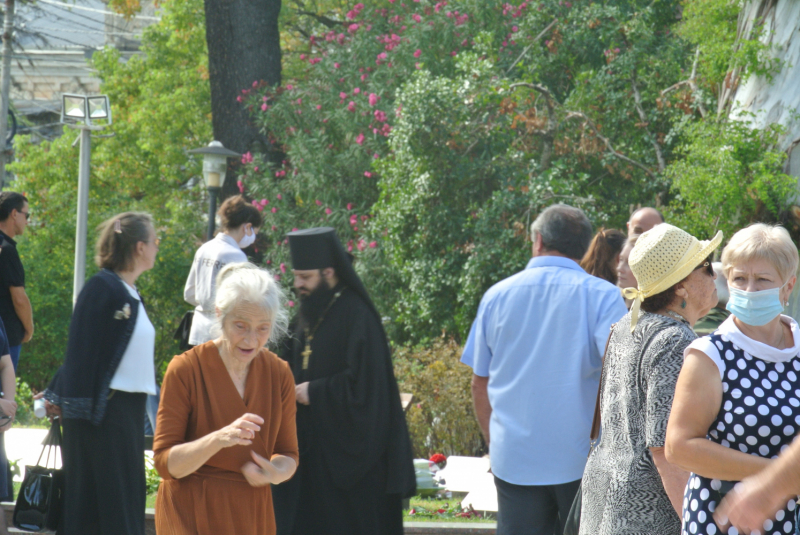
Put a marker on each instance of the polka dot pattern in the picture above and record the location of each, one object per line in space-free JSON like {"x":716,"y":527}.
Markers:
{"x":759,"y":415}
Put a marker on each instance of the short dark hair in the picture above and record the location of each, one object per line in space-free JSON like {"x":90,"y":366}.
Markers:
{"x":9,"y":201}
{"x":116,"y":246}
{"x":661,"y":300}
{"x":236,"y":211}
{"x":564,"y":229}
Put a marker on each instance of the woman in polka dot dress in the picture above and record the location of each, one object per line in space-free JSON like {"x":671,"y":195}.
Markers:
{"x":737,"y":401}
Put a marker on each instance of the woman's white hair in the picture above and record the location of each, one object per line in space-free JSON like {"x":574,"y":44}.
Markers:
{"x":765,"y":242}
{"x":245,"y":282}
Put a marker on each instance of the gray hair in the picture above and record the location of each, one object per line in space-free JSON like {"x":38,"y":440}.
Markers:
{"x":565,"y":229}
{"x":247,"y":283}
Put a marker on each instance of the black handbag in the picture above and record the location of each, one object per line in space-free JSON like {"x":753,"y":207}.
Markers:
{"x":183,"y":330}
{"x":573,"y":523}
{"x":41,"y":495}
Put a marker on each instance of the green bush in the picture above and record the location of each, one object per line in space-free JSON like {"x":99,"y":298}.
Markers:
{"x":24,"y":399}
{"x":441,"y":420}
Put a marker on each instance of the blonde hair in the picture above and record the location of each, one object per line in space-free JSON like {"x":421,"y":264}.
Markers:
{"x":765,"y":242}
{"x":244,"y":282}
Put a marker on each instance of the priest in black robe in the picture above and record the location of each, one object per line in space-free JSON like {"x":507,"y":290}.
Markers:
{"x":355,"y":463}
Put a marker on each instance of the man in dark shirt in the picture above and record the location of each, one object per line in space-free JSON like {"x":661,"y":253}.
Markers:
{"x":15,"y":307}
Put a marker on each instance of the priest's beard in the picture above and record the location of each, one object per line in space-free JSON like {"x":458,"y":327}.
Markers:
{"x":313,"y":305}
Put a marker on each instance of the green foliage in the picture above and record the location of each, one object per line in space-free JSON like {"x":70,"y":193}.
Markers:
{"x":161,"y":107}
{"x":152,"y":479}
{"x":730,"y":175}
{"x":25,"y":416}
{"x":441,"y":419}
{"x":711,"y":25}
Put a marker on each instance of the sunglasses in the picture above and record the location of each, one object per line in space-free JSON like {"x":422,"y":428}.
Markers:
{"x":26,"y":214}
{"x":707,"y":266}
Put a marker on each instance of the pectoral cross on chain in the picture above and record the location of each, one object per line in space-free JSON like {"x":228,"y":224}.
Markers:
{"x":307,"y":352}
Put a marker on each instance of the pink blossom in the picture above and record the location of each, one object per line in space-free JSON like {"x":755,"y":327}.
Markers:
{"x":255,"y":83}
{"x":373,"y":99}
{"x":239,"y":98}
{"x":367,"y":174}
{"x":360,"y":139}
{"x":373,"y":244}
{"x":417,"y":66}
{"x":280,"y":197}
{"x":350,"y":246}
{"x":505,"y":43}
{"x":336,"y":65}
{"x":274,"y":210}
{"x":277,"y":277}
{"x":357,"y":90}
{"x":294,"y":229}
{"x":240,"y":184}
{"x":358,"y":7}
{"x":416,"y":17}
{"x":290,"y":304}
{"x":299,"y":100}
{"x":515,"y":29}
{"x":342,"y":95}
{"x":283,"y":267}
{"x":351,"y":15}
{"x":255,"y":203}
{"x":349,"y":206}
{"x":380,"y":116}
{"x":353,"y":28}
{"x":302,"y":56}
{"x":274,"y":228}
{"x":376,"y":155}
{"x":319,"y":106}
{"x":417,"y":53}
{"x":380,"y":57}
{"x":289,"y":87}
{"x":328,"y":211}
{"x":264,"y":202}
{"x":255,"y":169}
{"x":363,"y":77}
{"x":247,"y":157}
{"x":351,"y":106}
{"x":319,"y":202}
{"x":264,"y":107}
{"x":360,"y":245}
{"x":340,"y":38}
{"x":353,"y":219}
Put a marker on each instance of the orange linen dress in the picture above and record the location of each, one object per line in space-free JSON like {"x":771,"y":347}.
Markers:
{"x":198,"y":397}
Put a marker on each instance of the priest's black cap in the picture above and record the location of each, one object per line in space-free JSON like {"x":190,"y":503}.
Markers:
{"x":313,"y":248}
{"x":320,"y":248}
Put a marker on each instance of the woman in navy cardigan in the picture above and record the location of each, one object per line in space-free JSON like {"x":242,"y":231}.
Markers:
{"x":101,"y":388}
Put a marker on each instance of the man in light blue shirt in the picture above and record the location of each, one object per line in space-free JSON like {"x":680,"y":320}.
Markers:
{"x":535,"y":349}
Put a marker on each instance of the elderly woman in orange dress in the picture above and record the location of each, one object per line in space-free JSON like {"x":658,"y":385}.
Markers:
{"x":226,"y":423}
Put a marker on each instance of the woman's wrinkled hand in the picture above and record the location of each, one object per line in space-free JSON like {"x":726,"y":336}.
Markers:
{"x":748,"y":505}
{"x":261,"y":472}
{"x":241,"y":432}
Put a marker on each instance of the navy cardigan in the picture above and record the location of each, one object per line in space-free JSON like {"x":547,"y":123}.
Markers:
{"x":101,"y":327}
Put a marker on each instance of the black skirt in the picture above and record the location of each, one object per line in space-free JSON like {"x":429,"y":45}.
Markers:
{"x":104,"y":478}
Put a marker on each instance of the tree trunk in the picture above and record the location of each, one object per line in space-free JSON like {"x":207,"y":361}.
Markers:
{"x":243,"y":47}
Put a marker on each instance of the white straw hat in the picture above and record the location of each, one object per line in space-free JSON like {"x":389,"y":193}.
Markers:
{"x":662,"y":257}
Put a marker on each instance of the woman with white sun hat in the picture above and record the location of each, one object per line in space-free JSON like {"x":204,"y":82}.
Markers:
{"x":628,"y":486}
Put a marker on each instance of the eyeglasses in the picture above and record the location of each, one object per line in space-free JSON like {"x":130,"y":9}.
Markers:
{"x":26,"y":214}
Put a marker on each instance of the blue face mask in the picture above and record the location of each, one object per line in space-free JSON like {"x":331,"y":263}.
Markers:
{"x":755,"y":308}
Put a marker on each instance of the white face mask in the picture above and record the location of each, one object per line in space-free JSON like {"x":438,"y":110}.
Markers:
{"x":248,"y":238}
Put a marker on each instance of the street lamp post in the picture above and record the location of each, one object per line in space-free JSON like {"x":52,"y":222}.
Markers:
{"x":85,"y":114}
{"x":215,"y":166}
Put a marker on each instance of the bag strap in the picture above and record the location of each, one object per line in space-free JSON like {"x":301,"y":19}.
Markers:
{"x":51,"y":442}
{"x":595,"y":432}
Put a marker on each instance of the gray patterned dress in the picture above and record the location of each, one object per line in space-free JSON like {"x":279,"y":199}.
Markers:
{"x":622,"y":490}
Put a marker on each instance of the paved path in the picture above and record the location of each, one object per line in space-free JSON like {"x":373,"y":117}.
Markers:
{"x":25,"y":445}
